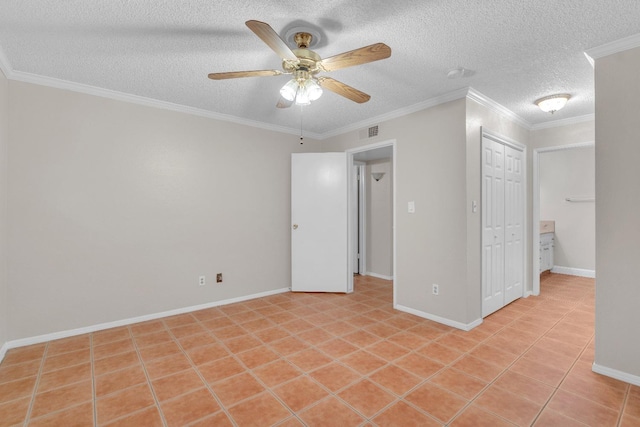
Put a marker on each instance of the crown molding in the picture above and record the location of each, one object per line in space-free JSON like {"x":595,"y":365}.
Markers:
{"x":5,"y":65}
{"x":489,"y":103}
{"x":150,"y":102}
{"x":470,"y":93}
{"x":564,"y":122}
{"x":432,"y":102}
{"x":614,"y":47}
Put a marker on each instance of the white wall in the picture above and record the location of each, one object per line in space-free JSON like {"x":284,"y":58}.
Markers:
{"x":563,"y":174}
{"x":4,"y":141}
{"x":380,"y":218}
{"x":115,"y":209}
{"x":617,"y":205}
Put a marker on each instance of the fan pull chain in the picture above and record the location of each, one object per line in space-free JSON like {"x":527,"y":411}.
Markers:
{"x":301,"y":137}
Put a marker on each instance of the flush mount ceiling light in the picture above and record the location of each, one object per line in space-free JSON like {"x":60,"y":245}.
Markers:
{"x":456,"y":73}
{"x":553,"y":103}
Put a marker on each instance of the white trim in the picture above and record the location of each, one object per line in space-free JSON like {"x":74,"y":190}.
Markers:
{"x":150,"y":102}
{"x":469,"y":93}
{"x":535,"y":284}
{"x":378,"y":276}
{"x":614,"y":373}
{"x":85,"y":330}
{"x":489,"y":103}
{"x":350,"y":152}
{"x":444,"y":321}
{"x":432,"y":102}
{"x":5,"y":66}
{"x":527,"y":294}
{"x":614,"y":47}
{"x":503,"y":140}
{"x":574,"y":271}
{"x":3,"y":351}
{"x":564,"y":122}
{"x":362,"y":218}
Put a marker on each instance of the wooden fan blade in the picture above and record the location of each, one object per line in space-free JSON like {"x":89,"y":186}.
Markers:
{"x":238,"y":74}
{"x":366,"y":54}
{"x":272,"y":39}
{"x":283,"y":103}
{"x":343,"y":90}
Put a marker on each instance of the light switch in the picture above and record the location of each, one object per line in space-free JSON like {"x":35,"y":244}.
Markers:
{"x":474,"y":206}
{"x":411,"y":208}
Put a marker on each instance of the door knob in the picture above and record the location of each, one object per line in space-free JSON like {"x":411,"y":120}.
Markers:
{"x":295,"y":226}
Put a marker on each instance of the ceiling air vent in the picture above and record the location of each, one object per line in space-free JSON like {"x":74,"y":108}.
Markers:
{"x":373,"y":131}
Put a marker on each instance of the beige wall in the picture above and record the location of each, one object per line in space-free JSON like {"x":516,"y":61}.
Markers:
{"x":617,"y":205}
{"x":115,"y":209}
{"x":576,"y":133}
{"x":430,"y":170}
{"x":563,"y":174}
{"x":438,"y":167}
{"x":380,"y":218}
{"x":4,"y":141}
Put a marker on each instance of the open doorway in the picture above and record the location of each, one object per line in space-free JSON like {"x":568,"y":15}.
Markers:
{"x":372,"y":211}
{"x":564,"y":195}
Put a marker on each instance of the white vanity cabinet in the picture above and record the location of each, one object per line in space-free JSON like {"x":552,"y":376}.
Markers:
{"x":546,"y":251}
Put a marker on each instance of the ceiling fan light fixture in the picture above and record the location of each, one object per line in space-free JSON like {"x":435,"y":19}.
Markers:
{"x":553,"y":103}
{"x":313,"y":89}
{"x":302,"y":97}
{"x":289,"y":90}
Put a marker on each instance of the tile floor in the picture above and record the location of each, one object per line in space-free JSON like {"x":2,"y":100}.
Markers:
{"x":326,"y":360}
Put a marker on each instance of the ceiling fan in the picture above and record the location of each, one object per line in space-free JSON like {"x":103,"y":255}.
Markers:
{"x":304,"y":64}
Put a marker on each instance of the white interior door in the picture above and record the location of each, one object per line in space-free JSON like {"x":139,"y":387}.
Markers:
{"x":319,"y":217}
{"x":514,"y":227}
{"x":492,"y":226}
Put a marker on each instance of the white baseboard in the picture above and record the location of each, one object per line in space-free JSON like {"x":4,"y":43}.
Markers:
{"x":574,"y":271}
{"x":3,"y":351}
{"x":444,"y":321}
{"x":378,"y":276}
{"x":618,"y":375}
{"x":73,"y":332}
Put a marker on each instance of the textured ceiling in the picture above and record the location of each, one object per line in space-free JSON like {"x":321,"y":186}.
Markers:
{"x":515,"y":50}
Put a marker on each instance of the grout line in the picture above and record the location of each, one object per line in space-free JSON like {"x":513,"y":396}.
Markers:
{"x":93,"y":382}
{"x":624,"y":405}
{"x":146,"y":374}
{"x":197,"y":371}
{"x":35,"y":386}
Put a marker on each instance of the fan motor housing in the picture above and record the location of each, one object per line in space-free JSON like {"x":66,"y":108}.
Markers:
{"x":306,"y":59}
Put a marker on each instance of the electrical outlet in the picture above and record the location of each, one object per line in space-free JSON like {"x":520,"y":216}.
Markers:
{"x":436,"y":289}
{"x":219,"y":278}
{"x":201,"y":281}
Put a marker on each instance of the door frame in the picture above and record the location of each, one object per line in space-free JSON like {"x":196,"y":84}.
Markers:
{"x":359,"y":193}
{"x":522,"y":148}
{"x":535,"y":226}
{"x":350,"y":165}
